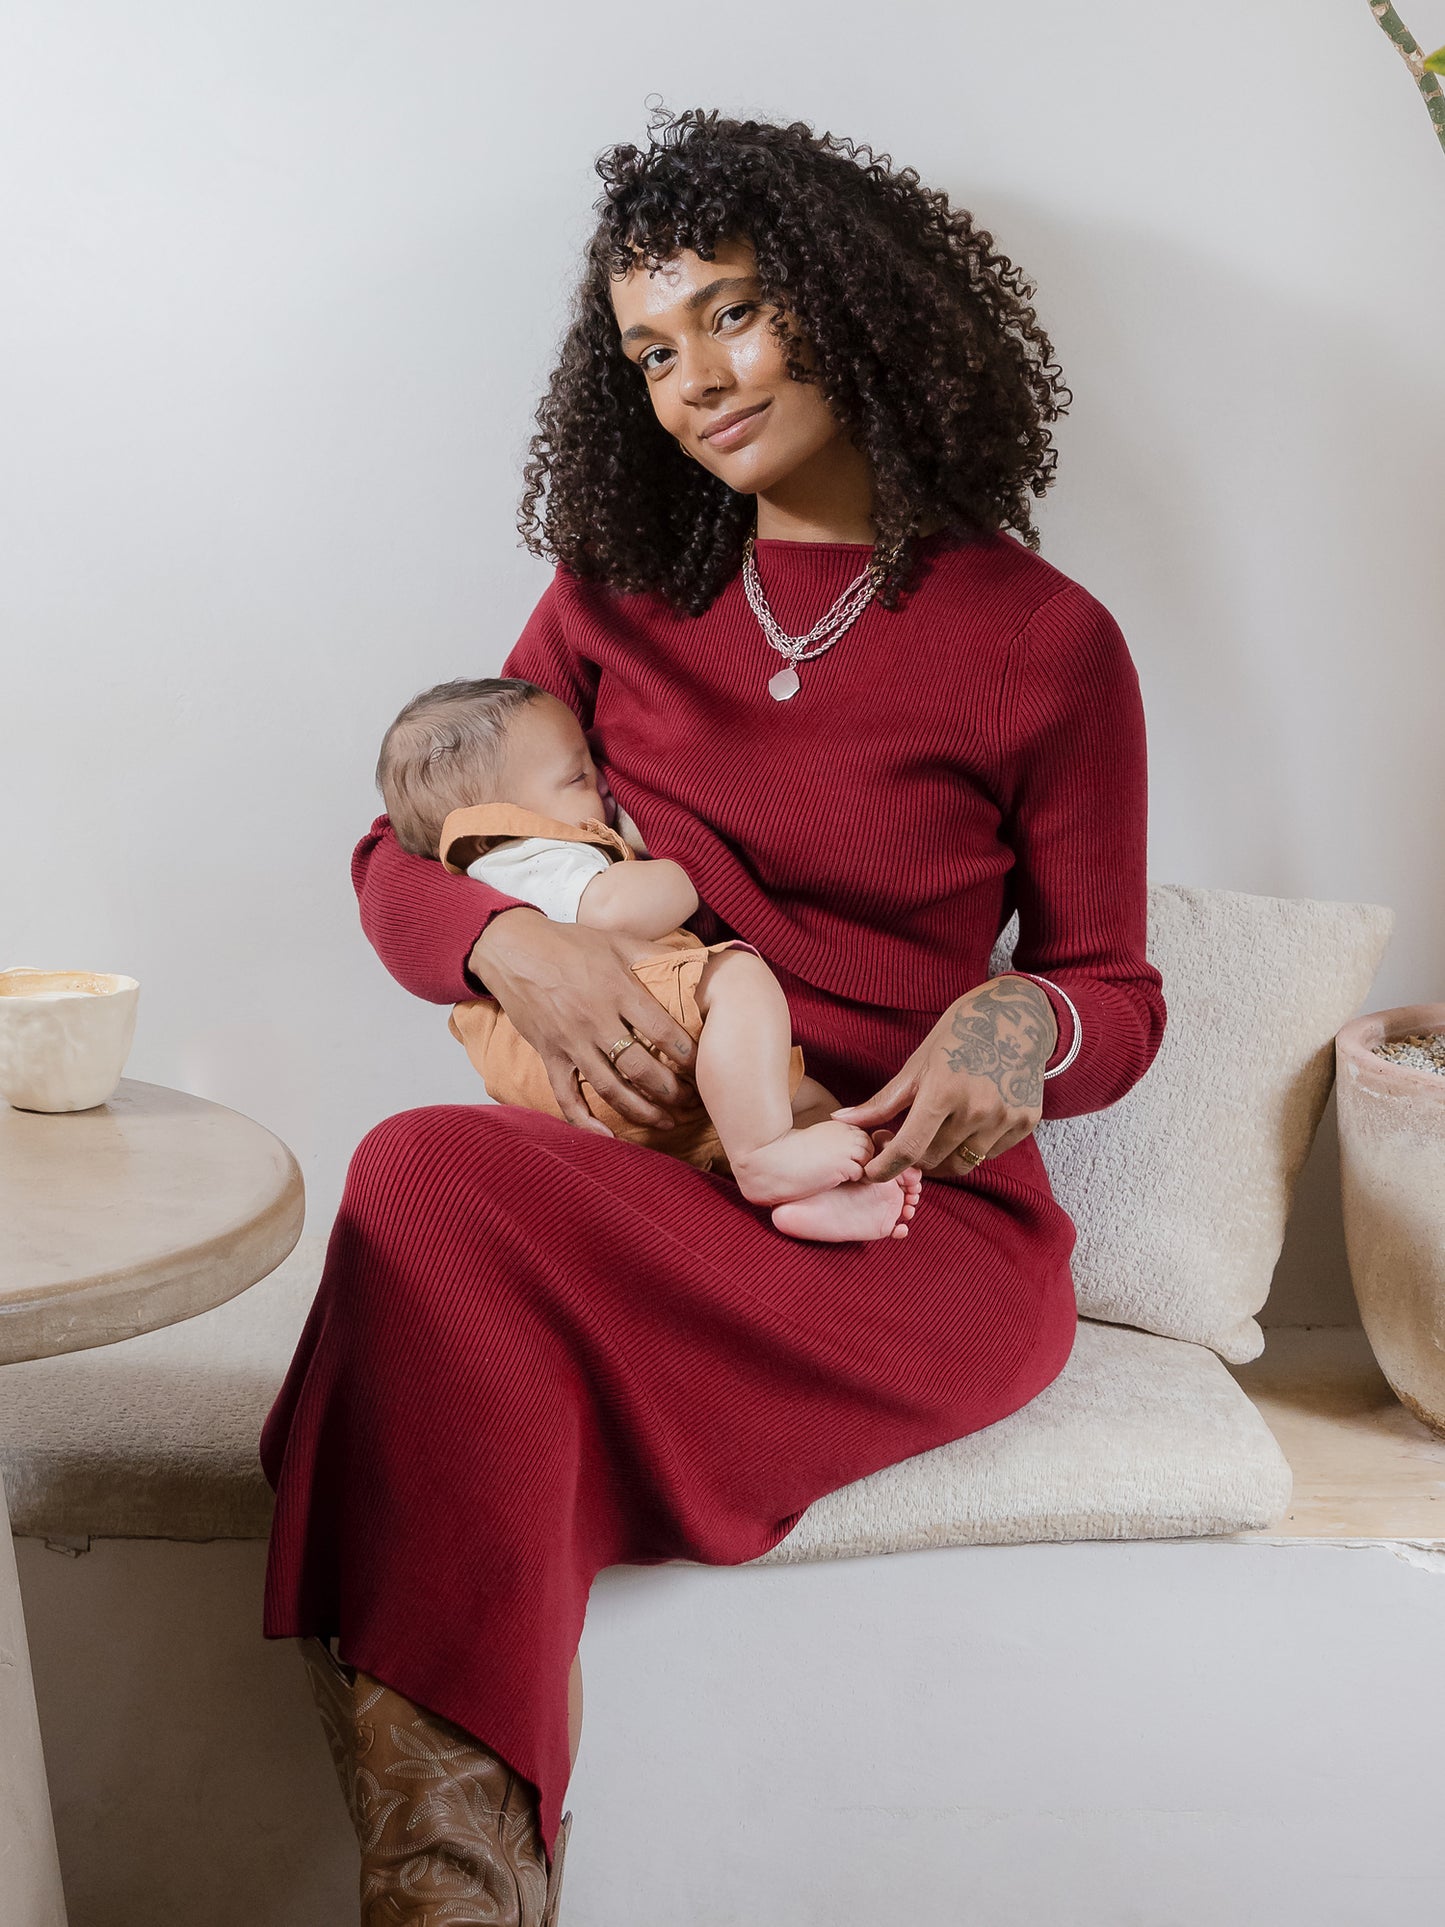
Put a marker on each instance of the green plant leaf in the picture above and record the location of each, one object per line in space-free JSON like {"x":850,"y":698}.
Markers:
{"x":1435,"y":62}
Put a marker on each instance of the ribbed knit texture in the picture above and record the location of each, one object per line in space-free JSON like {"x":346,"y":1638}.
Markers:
{"x":536,"y":1352}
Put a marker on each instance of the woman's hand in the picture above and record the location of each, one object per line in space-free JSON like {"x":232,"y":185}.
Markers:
{"x":976,"y":1080}
{"x":569,"y":992}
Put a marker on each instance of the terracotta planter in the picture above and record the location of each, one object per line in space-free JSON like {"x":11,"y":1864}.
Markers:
{"x":1392,"y":1183}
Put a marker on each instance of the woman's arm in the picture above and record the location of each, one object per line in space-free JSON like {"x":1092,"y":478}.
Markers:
{"x":422,"y":921}
{"x":1076,"y":816}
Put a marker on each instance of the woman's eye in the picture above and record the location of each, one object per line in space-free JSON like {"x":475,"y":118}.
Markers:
{"x":648,"y":366}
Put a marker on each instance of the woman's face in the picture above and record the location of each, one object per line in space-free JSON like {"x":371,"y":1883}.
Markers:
{"x":698,"y":330}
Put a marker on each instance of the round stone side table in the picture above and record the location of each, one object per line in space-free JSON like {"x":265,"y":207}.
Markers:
{"x":135,"y":1214}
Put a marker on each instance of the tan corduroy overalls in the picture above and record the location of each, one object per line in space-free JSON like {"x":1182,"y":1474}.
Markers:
{"x":512,"y":1071}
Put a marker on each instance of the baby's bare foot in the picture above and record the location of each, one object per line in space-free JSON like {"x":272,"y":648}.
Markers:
{"x":805,"y":1161}
{"x":854,"y":1211}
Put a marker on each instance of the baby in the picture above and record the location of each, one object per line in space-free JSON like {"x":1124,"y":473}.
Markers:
{"x":494,"y":778}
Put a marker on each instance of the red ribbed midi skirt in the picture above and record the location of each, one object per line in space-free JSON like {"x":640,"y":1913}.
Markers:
{"x":536,"y":1352}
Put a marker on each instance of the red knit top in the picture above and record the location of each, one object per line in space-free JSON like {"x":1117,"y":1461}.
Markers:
{"x":978,"y":750}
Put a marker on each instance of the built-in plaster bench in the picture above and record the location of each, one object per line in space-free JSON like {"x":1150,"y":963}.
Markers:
{"x":1139,"y":1438}
{"x":1180,"y":1191}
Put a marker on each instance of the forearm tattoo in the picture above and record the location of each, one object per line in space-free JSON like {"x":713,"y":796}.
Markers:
{"x":1005,"y":1032}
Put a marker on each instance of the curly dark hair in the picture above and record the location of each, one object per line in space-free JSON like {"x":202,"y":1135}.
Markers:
{"x":923,"y":341}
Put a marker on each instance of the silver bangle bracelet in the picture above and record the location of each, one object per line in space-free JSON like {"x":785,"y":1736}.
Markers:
{"x":1072,"y":1052}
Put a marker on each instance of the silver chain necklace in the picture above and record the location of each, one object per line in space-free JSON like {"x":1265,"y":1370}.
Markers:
{"x":825,"y":632}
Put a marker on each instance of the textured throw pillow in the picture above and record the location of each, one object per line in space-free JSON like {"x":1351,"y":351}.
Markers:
{"x":1181,"y":1190}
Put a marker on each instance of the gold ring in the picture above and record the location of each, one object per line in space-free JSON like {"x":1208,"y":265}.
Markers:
{"x":618,"y":1048}
{"x":974,"y":1157}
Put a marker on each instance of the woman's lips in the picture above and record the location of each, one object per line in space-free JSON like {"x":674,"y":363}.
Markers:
{"x":739,"y":432}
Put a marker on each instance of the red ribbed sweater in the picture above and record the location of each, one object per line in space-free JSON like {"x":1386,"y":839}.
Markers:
{"x":980,"y":749}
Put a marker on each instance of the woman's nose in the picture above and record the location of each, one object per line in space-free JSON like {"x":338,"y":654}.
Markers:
{"x":701,"y":372}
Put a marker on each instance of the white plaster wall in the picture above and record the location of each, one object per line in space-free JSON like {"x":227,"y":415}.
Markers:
{"x":1204,"y":1734}
{"x":282,"y":288}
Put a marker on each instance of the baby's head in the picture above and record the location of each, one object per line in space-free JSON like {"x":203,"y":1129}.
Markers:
{"x":496,"y":740}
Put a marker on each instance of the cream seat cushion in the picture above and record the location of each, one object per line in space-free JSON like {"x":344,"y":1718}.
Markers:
{"x":1138,"y":1437}
{"x":1181,"y":1191}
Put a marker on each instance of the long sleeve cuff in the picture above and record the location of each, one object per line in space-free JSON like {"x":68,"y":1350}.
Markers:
{"x":1109,"y":1034}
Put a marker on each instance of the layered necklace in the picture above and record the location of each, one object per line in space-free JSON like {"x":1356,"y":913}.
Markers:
{"x":825,"y":632}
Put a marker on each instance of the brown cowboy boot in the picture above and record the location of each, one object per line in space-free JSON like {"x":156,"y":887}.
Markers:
{"x":448,"y":1832}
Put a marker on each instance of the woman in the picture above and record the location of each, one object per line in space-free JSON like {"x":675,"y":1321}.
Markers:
{"x":534,"y":1354}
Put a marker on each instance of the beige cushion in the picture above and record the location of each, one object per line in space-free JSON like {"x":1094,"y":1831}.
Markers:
{"x":156,"y":1437}
{"x":1182,"y":1189}
{"x":1137,"y":1438}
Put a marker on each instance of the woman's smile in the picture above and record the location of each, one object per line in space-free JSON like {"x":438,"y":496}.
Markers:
{"x":738,"y":426}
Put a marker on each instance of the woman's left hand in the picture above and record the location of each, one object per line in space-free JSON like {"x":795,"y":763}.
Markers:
{"x":976,"y":1081}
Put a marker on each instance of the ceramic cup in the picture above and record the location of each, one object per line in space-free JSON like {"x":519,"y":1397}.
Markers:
{"x":64,"y":1037}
